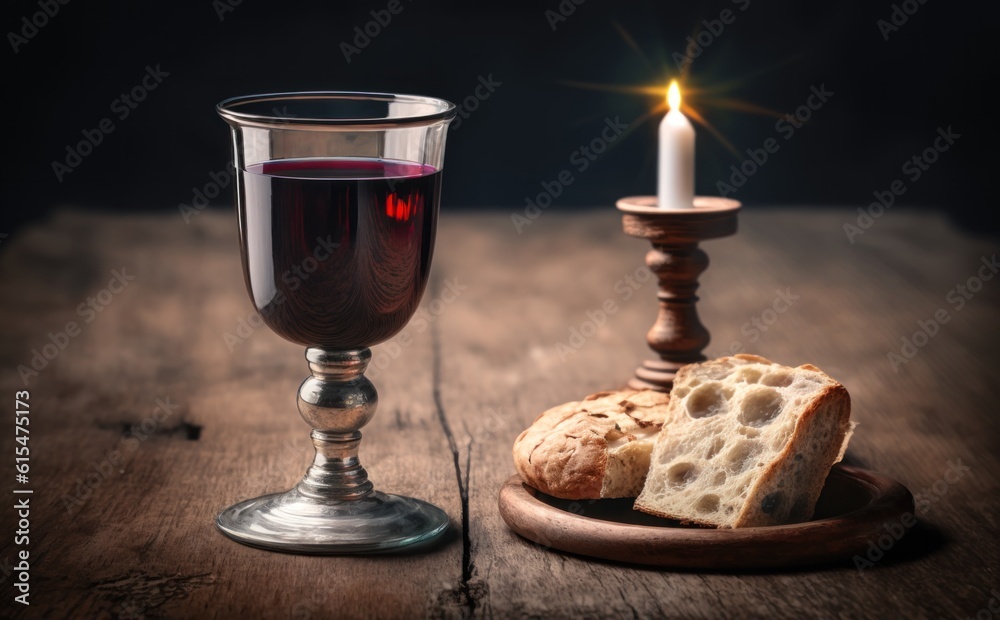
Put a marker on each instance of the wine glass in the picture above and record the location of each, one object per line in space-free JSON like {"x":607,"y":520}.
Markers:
{"x":338,"y":196}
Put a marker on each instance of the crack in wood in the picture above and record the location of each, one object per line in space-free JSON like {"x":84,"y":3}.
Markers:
{"x":631,"y":607}
{"x":187,"y":430}
{"x":136,"y":594}
{"x":468,"y":595}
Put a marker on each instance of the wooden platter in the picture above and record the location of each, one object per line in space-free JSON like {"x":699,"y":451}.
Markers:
{"x":856,"y":508}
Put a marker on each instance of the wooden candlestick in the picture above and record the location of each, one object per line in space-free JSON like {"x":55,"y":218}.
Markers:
{"x":677,"y":337}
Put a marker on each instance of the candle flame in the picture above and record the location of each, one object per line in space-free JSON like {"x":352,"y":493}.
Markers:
{"x":674,"y":96}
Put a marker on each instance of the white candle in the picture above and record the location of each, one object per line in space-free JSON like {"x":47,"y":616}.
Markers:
{"x":675,"y":174}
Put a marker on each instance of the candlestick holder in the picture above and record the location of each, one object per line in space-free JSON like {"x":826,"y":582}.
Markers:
{"x":678,"y":336}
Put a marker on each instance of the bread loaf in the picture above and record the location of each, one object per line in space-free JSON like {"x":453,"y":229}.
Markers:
{"x":747,"y":443}
{"x":594,"y":448}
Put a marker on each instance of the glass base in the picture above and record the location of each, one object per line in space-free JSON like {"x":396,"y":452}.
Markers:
{"x":297,"y":523}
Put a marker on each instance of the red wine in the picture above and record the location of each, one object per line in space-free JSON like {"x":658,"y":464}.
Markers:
{"x":336,"y":252}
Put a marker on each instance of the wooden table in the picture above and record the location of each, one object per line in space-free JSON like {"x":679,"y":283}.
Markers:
{"x":132,"y":535}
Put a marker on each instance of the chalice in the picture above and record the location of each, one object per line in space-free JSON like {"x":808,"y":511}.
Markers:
{"x":337,"y":194}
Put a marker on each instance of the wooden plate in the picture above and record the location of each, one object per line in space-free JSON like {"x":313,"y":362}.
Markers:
{"x":851,"y":514}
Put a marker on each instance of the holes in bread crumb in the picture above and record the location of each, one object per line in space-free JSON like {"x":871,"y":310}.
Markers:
{"x":746,"y":431}
{"x":707,"y":503}
{"x":720,"y":477}
{"x":715,"y":447}
{"x":706,"y":400}
{"x":740,"y":455}
{"x":680,"y":392}
{"x":730,"y":510}
{"x":778,"y":378}
{"x":748,"y":375}
{"x":760,"y":407}
{"x":681,"y":474}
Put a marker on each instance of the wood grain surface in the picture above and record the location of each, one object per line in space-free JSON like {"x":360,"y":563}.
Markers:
{"x":168,"y":406}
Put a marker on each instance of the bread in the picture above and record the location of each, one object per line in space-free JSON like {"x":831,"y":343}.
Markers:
{"x":598,"y":447}
{"x":748,"y":443}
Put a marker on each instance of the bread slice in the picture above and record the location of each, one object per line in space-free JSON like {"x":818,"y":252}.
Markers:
{"x":748,"y":443}
{"x":598,"y":447}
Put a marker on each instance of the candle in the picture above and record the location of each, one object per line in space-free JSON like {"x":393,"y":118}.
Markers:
{"x":675,"y":175}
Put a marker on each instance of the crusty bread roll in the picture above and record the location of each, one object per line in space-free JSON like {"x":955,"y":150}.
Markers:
{"x":748,"y":443}
{"x":595,"y":448}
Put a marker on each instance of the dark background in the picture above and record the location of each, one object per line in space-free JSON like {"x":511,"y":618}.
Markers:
{"x":889,"y":96}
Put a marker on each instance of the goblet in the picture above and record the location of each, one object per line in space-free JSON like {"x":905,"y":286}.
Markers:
{"x":337,"y":195}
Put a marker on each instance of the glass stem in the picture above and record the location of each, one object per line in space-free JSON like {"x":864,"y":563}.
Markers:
{"x":337,"y":400}
{"x":336,"y":472}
